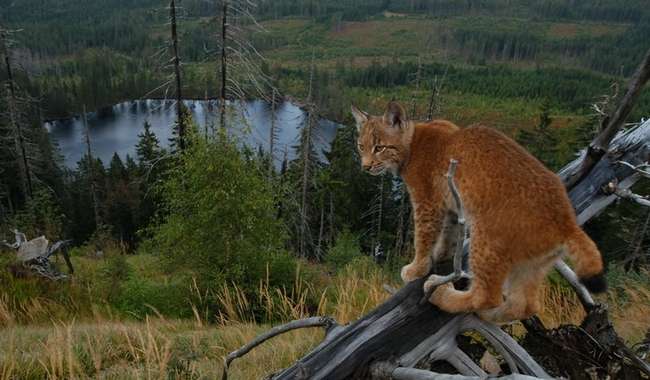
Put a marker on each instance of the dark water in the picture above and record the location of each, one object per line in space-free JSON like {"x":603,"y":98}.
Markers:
{"x":116,"y":129}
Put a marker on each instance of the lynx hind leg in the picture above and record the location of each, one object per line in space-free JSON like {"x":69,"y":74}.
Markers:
{"x":521,"y":290}
{"x":520,"y":303}
{"x":485,"y":291}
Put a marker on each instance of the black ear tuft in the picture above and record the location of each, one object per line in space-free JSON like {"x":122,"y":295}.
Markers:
{"x":395,"y":115}
{"x":595,"y":284}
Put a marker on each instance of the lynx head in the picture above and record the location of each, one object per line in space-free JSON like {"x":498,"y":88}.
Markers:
{"x":383,"y":141}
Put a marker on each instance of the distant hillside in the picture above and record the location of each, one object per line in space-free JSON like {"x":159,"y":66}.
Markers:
{"x":101,"y":52}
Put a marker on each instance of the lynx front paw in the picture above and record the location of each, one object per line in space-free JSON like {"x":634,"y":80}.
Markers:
{"x":413,"y":271}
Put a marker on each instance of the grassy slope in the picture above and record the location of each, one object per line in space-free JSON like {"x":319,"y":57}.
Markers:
{"x":110,"y":346}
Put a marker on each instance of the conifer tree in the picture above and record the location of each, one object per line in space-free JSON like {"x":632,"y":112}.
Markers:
{"x":541,"y":141}
{"x":148,"y":147}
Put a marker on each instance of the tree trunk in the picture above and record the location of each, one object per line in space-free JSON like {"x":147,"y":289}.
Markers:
{"x":331,"y":220}
{"x":224,"y":64}
{"x":319,"y":246}
{"x":414,"y":102}
{"x":12,"y":100}
{"x":91,"y":174}
{"x":272,"y":135}
{"x":177,"y":77}
{"x":306,"y":163}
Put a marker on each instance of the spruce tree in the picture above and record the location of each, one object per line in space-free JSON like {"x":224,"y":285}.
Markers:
{"x":541,"y":141}
{"x":148,"y":147}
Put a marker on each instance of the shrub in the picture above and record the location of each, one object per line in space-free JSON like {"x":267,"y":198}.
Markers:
{"x":344,"y":251}
{"x":116,"y":271}
{"x":141,"y":297}
{"x":41,"y":216}
{"x":221,"y":224}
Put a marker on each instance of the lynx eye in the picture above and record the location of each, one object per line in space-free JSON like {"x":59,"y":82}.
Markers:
{"x":379,"y":148}
{"x":360,"y":147}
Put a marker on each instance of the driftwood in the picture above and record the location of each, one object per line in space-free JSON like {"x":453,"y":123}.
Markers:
{"x":402,"y":333}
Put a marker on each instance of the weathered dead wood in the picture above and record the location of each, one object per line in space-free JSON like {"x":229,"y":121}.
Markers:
{"x":35,"y":255}
{"x":589,"y":197}
{"x":610,"y":126}
{"x":180,"y":120}
{"x":383,"y":370}
{"x":328,"y":323}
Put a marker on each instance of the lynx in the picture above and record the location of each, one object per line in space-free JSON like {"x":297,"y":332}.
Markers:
{"x":519,"y":215}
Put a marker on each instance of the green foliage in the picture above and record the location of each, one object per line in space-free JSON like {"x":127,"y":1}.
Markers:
{"x":140,"y":297}
{"x":344,"y":251}
{"x":41,"y":215}
{"x":541,"y":141}
{"x":116,"y":271}
{"x":352,"y":189}
{"x":220,"y":223}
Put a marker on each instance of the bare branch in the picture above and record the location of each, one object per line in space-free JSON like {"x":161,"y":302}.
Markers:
{"x":610,"y":126}
{"x":327,"y":323}
{"x":461,"y":229}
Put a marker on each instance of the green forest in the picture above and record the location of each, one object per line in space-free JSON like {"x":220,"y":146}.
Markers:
{"x":206,"y":231}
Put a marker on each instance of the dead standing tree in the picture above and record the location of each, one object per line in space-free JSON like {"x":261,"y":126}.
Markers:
{"x":306,"y":161}
{"x":14,"y":116}
{"x":92,"y":179}
{"x":180,"y":120}
{"x":239,"y":61}
{"x":403,"y":333}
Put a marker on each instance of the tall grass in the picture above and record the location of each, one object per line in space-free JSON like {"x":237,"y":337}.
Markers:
{"x":107,"y":346}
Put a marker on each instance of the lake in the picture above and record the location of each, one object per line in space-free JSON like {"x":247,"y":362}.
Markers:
{"x":116,"y":129}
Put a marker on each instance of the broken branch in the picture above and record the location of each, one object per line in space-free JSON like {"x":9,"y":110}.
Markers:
{"x":435,"y":280}
{"x":326,"y":322}
{"x":610,"y":126}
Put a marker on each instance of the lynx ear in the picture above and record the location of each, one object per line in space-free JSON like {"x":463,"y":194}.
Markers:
{"x":395,"y":115}
{"x":359,"y":116}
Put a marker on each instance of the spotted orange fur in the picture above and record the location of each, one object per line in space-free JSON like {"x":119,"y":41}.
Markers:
{"x":520,"y":217}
